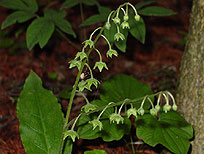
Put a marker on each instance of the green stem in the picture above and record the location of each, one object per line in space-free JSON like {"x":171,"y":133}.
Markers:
{"x":87,"y":101}
{"x":82,"y":20}
{"x":87,"y":65}
{"x":68,"y":40}
{"x":66,"y":125}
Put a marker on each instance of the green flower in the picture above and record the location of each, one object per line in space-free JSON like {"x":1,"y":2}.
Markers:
{"x":119,"y":36}
{"x":111,"y":52}
{"x":82,"y":85}
{"x":140,"y":111}
{"x":153,"y":111}
{"x":96,"y":123}
{"x":116,"y":20}
{"x":75,"y":63}
{"x":89,"y":107}
{"x":167,"y":108}
{"x":100,"y":66}
{"x":108,"y":25}
{"x":88,"y":42}
{"x":125,"y":24}
{"x":174,"y":107}
{"x":114,"y":117}
{"x":125,"y":17}
{"x":131,"y":111}
{"x":137,"y":17}
{"x":157,"y":107}
{"x":91,"y":82}
{"x":72,"y":134}
{"x":82,"y":55}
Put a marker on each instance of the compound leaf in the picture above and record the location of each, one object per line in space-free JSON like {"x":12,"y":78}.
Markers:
{"x":171,"y":130}
{"x":41,"y":118}
{"x":18,"y":16}
{"x":39,"y":31}
{"x":156,"y":11}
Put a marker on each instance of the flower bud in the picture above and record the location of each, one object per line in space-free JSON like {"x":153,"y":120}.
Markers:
{"x":137,"y":17}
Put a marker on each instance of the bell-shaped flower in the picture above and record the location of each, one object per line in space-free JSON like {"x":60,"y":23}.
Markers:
{"x":114,"y":117}
{"x":111,"y":52}
{"x":157,"y":108}
{"x":166,"y":108}
{"x":116,"y":20}
{"x":125,"y":24}
{"x":140,"y":111}
{"x":71,"y":133}
{"x":92,"y":81}
{"x":89,"y":43}
{"x":153,"y":111}
{"x":81,"y":55}
{"x":131,"y":111}
{"x":89,"y":107}
{"x":125,"y":17}
{"x":96,"y":123}
{"x":174,"y":107}
{"x":82,"y":85}
{"x":75,"y":63}
{"x":100,"y":66}
{"x":108,"y":25}
{"x":137,"y":17}
{"x":119,"y":36}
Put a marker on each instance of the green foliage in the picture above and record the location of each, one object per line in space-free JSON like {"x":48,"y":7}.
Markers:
{"x":170,"y":129}
{"x":156,"y":11}
{"x":95,"y":151}
{"x":41,"y":118}
{"x":72,"y":3}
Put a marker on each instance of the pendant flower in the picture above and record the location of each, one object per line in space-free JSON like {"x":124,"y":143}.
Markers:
{"x":89,"y":107}
{"x":75,"y":63}
{"x":174,"y":107}
{"x":88,"y":42}
{"x":91,"y":82}
{"x":71,"y":133}
{"x":125,"y":17}
{"x":116,"y":20}
{"x":100,"y":66}
{"x":167,"y":108}
{"x":125,"y":24}
{"x":114,"y":117}
{"x":140,"y":111}
{"x":108,"y":25}
{"x":111,"y":52}
{"x":82,"y":85}
{"x":131,"y":111}
{"x":81,"y":55}
{"x":119,"y":36}
{"x":96,"y":123}
{"x":137,"y":17}
{"x":153,"y":111}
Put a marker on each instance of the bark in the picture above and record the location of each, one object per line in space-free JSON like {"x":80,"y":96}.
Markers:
{"x":190,"y":91}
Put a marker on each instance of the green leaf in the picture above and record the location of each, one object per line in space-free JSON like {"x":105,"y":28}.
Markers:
{"x":72,"y":3}
{"x":137,"y":29}
{"x":145,"y":3}
{"x":18,"y":16}
{"x":95,"y":151}
{"x":39,"y":31}
{"x":13,"y":4}
{"x":171,"y":130}
{"x":109,"y":34}
{"x":68,"y":146}
{"x":90,"y":2}
{"x":156,"y":11}
{"x":40,"y":116}
{"x":121,"y":87}
{"x":32,"y":4}
{"x":58,"y":19}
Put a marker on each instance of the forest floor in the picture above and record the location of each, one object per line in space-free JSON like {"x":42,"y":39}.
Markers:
{"x":156,"y":63}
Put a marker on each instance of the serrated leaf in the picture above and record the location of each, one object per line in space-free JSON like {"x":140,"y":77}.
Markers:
{"x":39,"y":31}
{"x":95,"y":151}
{"x":58,"y":19}
{"x":13,"y":4}
{"x":156,"y":11}
{"x":145,"y":3}
{"x":171,"y":130}
{"x":18,"y":16}
{"x":40,"y":116}
{"x":121,"y":87}
{"x":137,"y":29}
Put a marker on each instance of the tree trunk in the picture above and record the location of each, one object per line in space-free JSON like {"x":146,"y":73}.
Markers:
{"x":190,"y":92}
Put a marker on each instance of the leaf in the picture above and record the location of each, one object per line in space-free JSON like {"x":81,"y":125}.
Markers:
{"x":121,"y":87}
{"x":18,"y":16}
{"x":68,"y":146}
{"x":39,"y":31}
{"x":90,"y":2}
{"x":137,"y":29}
{"x":13,"y":4}
{"x":156,"y":11}
{"x":101,"y":17}
{"x":95,"y":151}
{"x":145,"y":3}
{"x":110,"y":33}
{"x":170,"y":130}
{"x":32,"y":4}
{"x":72,"y":3}
{"x":58,"y":19}
{"x":41,"y":118}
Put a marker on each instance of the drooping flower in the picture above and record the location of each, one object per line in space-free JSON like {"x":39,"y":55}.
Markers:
{"x":75,"y":63}
{"x":89,"y":107}
{"x":119,"y":36}
{"x":89,"y":43}
{"x":137,"y":17}
{"x":125,"y":24}
{"x":100,"y":66}
{"x":111,"y":52}
{"x":140,"y":111}
{"x":71,"y":133}
{"x":92,"y":81}
{"x":81,"y":55}
{"x":131,"y":111}
{"x":108,"y":25}
{"x":96,"y":123}
{"x":114,"y":117}
{"x":116,"y":20}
